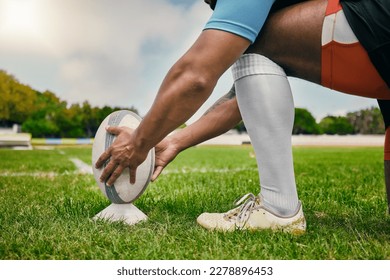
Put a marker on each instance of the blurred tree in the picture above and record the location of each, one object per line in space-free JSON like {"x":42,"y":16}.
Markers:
{"x":336,"y":125}
{"x":43,"y":120}
{"x":367,"y":121}
{"x":304,"y":122}
{"x":45,"y":114}
{"x":41,"y":128}
{"x":16,"y":100}
{"x":69,"y":121}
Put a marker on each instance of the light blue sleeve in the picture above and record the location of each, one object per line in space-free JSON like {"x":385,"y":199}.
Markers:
{"x":241,"y":17}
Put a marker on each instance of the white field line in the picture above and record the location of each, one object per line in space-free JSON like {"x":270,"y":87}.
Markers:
{"x":82,"y":168}
{"x":206,"y":170}
{"x":33,"y":174}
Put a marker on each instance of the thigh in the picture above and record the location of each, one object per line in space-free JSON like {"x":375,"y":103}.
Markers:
{"x":292,"y":38}
{"x":298,"y":40}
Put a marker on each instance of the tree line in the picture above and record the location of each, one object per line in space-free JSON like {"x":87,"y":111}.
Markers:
{"x":367,"y":121}
{"x":43,"y":114}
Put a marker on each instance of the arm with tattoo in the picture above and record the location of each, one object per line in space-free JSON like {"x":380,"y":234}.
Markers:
{"x":230,"y":95}
{"x":221,"y":117}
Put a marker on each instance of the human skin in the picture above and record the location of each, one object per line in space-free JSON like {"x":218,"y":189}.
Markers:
{"x":302,"y":60}
{"x":186,"y":86}
{"x":192,"y":78}
{"x":291,"y":37}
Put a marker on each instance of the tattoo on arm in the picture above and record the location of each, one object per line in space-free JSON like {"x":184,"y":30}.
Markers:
{"x":230,"y":95}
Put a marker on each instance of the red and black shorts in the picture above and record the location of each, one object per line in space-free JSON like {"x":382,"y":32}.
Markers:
{"x":346,"y":66}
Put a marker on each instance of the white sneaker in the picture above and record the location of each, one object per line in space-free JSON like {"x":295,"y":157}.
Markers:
{"x":251,"y":215}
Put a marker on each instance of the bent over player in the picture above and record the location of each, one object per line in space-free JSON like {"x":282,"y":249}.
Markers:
{"x":297,"y":37}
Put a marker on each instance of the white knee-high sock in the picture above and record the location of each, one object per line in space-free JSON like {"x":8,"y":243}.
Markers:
{"x":267,"y":108}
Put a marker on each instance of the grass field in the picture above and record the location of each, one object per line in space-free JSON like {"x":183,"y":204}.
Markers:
{"x":46,"y":208}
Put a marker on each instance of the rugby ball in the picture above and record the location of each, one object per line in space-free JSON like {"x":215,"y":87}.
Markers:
{"x":122,"y":191}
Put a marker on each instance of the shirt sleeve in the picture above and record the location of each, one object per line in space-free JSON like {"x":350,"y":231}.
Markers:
{"x":241,"y":17}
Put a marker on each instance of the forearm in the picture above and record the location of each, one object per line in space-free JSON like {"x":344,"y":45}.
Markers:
{"x":188,"y":84}
{"x":178,"y":99}
{"x":220,"y":118}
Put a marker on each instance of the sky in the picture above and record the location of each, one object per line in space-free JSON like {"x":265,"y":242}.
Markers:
{"x":117,"y":53}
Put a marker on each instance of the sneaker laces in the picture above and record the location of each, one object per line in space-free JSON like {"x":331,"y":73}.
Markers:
{"x":247,"y":203}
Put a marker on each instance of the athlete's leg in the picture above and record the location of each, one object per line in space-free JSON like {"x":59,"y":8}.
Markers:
{"x":265,"y":99}
{"x":266,"y":105}
{"x":267,"y":109}
{"x":384,"y":105}
{"x":292,"y":38}
{"x":320,"y":49}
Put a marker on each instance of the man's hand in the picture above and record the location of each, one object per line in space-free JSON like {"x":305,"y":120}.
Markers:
{"x":166,"y":151}
{"x":122,"y":154}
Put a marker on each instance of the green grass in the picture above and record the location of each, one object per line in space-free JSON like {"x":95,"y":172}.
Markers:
{"x":46,"y":208}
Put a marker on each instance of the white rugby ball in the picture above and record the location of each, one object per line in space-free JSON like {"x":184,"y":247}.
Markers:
{"x":122,"y":191}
